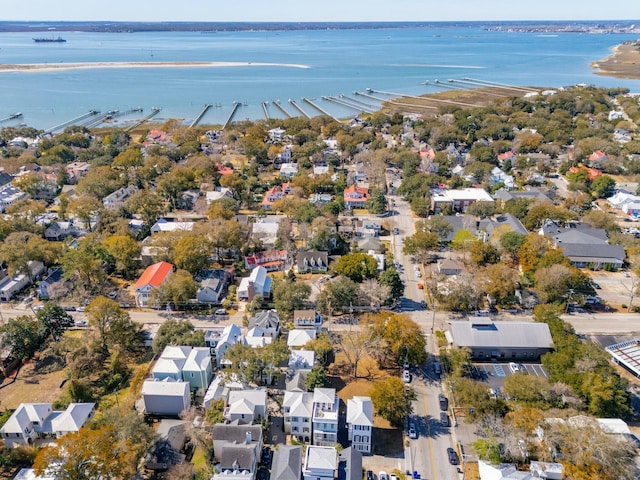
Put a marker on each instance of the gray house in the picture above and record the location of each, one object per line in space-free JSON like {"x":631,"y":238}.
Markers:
{"x":237,"y":449}
{"x":501,"y":340}
{"x":312,"y":262}
{"x":166,"y":397}
{"x":287,"y":463}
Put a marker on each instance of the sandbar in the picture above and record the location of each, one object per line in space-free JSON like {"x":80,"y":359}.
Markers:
{"x":50,"y":67}
{"x":624,"y":62}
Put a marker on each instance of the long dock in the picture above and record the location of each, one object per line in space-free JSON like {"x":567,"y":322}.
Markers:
{"x":439,"y":84}
{"x":355,"y":101}
{"x":281,"y":108}
{"x":60,"y":126}
{"x":357,"y":104}
{"x":265,"y":110}
{"x":154,"y":112}
{"x":234,"y":109}
{"x":472,"y":85}
{"x":344,"y":103}
{"x":297,"y":107}
{"x":13,"y":116}
{"x":94,"y":122}
{"x":111,"y":115}
{"x":196,"y":120}
{"x":496,"y":84}
{"x":450,"y":102}
{"x":320,"y":109}
{"x":367,"y":95}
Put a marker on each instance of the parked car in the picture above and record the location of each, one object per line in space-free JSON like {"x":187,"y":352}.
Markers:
{"x":444,"y":420}
{"x":453,"y":456}
{"x":437,"y":369}
{"x":393,"y":476}
{"x":370,"y":475}
{"x":413,"y":434}
{"x":383,"y":476}
{"x":69,"y":308}
{"x":80,"y":309}
{"x":112,"y":295}
{"x":406,"y":376}
{"x":220,"y":311}
{"x":396,"y":231}
{"x":596,"y":286}
{"x":444,"y":402}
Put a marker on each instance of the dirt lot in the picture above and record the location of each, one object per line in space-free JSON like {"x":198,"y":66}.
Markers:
{"x":615,"y":288}
{"x":33,"y":387}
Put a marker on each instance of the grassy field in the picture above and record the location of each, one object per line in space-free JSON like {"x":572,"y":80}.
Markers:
{"x":32,"y":386}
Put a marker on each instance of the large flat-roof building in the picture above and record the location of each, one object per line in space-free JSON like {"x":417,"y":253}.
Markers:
{"x":501,"y":340}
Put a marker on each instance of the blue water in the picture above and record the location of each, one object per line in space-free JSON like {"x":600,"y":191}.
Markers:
{"x":339,"y":61}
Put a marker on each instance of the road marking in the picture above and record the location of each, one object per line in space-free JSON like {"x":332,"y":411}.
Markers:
{"x":499,"y":369}
{"x":426,"y":411}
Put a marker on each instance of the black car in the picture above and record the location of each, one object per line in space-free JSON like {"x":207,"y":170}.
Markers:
{"x":444,"y":402}
{"x":370,"y":475}
{"x":453,"y":456}
{"x":444,"y":419}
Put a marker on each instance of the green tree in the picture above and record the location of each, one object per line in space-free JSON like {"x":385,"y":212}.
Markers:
{"x":53,"y":319}
{"x":357,"y":266}
{"x":421,"y":245}
{"x":463,"y":239}
{"x":323,"y":348}
{"x":192,"y":252}
{"x":290,"y":295}
{"x":456,"y":361}
{"x":215,"y":412}
{"x":177,"y":332}
{"x":397,"y":340}
{"x":483,"y":254}
{"x":392,"y":399}
{"x":179,"y":290}
{"x":481,"y":209}
{"x":317,"y":377}
{"x":125,"y":251}
{"x":436,"y":224}
{"x":102,"y":314}
{"x":84,"y":264}
{"x":528,"y":389}
{"x":24,"y":335}
{"x":603,"y":186}
{"x":511,"y":242}
{"x":338,"y":294}
{"x":391,"y":278}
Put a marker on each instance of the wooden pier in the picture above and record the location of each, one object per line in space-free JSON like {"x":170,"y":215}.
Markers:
{"x":431,"y":99}
{"x":276,"y":103}
{"x":297,"y":107}
{"x":487,"y":83}
{"x":355,"y":101}
{"x":265,"y":110}
{"x":196,"y":120}
{"x":111,"y":115}
{"x":234,"y":109}
{"x":320,"y":109}
{"x":73,"y":121}
{"x":367,"y":95}
{"x":344,"y":103}
{"x":154,"y":112}
{"x":13,"y":116}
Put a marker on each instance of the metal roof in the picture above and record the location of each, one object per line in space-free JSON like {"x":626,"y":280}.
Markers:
{"x":484,"y":332}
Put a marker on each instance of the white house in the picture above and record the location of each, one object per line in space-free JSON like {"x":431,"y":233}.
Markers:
{"x":360,"y":423}
{"x":320,"y":463}
{"x":325,"y":417}
{"x":9,"y":287}
{"x":288,"y":170}
{"x":276,"y":134}
{"x":258,"y":283}
{"x":302,"y":359}
{"x":163,"y":225}
{"x":220,"y":340}
{"x":263,"y":328}
{"x":116,"y":199}
{"x":298,"y":338}
{"x":219,"y":193}
{"x":246,"y":406}
{"x":499,"y":176}
{"x":153,"y":277}
{"x":186,"y":363}
{"x":298,"y":414}
{"x":166,"y":397}
{"x":37,"y":420}
{"x":307,"y":319}
{"x":10,"y":194}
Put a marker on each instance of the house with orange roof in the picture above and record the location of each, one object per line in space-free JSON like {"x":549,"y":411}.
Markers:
{"x":597,"y":157}
{"x":355,"y":197}
{"x":274,"y":194}
{"x":224,"y":170}
{"x":153,"y":277}
{"x":591,"y":172}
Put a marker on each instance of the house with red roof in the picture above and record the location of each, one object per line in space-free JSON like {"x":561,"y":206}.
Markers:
{"x":224,"y":170}
{"x":355,"y":197}
{"x":271,"y":260}
{"x":510,"y":155}
{"x":274,"y":194}
{"x":153,"y":277}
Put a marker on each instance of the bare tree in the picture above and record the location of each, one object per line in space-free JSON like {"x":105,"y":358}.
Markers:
{"x":374,"y":292}
{"x":631,"y":286}
{"x":355,"y":345}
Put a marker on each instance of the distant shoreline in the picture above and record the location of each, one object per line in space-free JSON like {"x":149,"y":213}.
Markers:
{"x":50,"y":67}
{"x":624,"y":62}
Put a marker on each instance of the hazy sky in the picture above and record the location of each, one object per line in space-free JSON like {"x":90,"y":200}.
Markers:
{"x":317,"y":10}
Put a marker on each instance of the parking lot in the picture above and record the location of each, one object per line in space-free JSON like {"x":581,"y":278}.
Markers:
{"x":495,"y":373}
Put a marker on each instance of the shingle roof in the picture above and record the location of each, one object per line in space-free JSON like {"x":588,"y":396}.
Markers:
{"x":360,"y":411}
{"x":287,"y":463}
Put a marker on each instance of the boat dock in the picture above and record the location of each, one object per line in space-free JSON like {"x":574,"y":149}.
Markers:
{"x":320,"y":109}
{"x":154,"y":112}
{"x":367,"y":95}
{"x":487,"y":83}
{"x":265,"y":110}
{"x":13,"y":116}
{"x":234,"y":109}
{"x":281,"y":108}
{"x":196,"y":120}
{"x":344,"y":103}
{"x":355,"y":101}
{"x":73,"y":121}
{"x":110,"y":116}
{"x":297,"y":107}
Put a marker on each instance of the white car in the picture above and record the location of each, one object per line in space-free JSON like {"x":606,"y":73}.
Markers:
{"x":515,"y":368}
{"x":406,"y":376}
{"x":413,"y":434}
{"x":383,"y":476}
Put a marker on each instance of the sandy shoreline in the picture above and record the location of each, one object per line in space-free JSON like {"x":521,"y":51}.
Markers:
{"x":50,"y":67}
{"x":624,"y":62}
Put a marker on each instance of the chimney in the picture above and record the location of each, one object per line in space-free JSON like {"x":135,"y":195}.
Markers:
{"x":248,"y":437}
